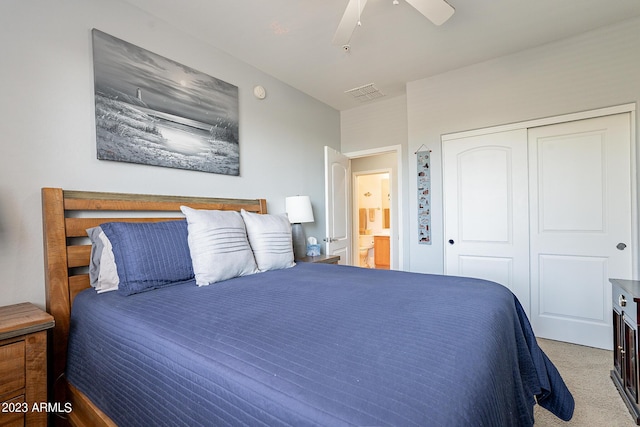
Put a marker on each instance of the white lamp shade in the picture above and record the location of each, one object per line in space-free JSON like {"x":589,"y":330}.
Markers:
{"x":298,"y":209}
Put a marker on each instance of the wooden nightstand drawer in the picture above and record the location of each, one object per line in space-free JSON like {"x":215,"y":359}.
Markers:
{"x":321,"y":259}
{"x":12,"y":368}
{"x":12,"y":413}
{"x":23,"y":364}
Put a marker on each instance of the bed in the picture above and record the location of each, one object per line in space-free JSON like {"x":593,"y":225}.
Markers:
{"x":309,"y":344}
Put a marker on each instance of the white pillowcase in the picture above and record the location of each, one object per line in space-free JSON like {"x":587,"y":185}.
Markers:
{"x":270,"y":239}
{"x":108,"y":278}
{"x":218,"y":245}
{"x":103,"y":271}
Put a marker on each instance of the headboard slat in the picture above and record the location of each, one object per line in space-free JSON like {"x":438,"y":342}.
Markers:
{"x":78,"y":284}
{"x":87,"y":201}
{"x":77,"y":227}
{"x":78,"y":256}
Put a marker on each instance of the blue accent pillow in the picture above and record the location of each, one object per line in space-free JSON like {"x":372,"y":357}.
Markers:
{"x":149,"y":255}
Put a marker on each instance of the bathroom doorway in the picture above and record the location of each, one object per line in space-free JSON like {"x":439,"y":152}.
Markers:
{"x":372,"y":209}
{"x":367,"y":162}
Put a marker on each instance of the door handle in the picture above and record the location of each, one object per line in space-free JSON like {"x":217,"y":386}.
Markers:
{"x":620,"y":246}
{"x":329,"y":239}
{"x":451,"y":241}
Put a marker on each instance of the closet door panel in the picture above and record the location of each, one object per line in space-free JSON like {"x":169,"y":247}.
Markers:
{"x":486,"y":209}
{"x":580,"y":198}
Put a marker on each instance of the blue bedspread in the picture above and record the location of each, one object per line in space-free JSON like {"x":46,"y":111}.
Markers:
{"x":314,"y":345}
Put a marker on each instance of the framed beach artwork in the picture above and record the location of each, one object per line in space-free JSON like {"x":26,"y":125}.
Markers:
{"x":154,"y":111}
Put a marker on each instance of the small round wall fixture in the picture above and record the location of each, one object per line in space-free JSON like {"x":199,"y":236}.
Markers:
{"x":259,"y":92}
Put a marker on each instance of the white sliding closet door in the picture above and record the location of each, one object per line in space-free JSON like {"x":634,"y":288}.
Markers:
{"x":486,"y":209}
{"x":545,"y":209}
{"x":580,"y":197}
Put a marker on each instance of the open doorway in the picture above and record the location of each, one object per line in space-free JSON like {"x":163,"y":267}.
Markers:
{"x":372,"y":208}
{"x":342,"y":211}
{"x":375,"y":209}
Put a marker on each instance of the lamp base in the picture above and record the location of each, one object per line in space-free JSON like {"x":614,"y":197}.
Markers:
{"x":299,"y":241}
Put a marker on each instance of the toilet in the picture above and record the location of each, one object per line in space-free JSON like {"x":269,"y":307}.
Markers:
{"x":365,"y":248}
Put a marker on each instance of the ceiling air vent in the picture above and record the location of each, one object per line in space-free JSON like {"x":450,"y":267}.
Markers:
{"x":365,"y":93}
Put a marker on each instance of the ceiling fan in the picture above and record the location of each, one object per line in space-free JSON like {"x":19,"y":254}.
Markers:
{"x":437,"y":11}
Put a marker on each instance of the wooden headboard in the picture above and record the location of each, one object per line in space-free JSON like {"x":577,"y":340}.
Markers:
{"x":67,"y":214}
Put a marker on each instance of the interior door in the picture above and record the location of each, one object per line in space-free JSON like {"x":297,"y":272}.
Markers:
{"x":486,"y":209}
{"x":337,"y":200}
{"x":581,"y":216}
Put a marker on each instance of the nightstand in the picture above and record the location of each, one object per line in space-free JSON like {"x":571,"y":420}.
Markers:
{"x":23,"y":364}
{"x":322,"y":259}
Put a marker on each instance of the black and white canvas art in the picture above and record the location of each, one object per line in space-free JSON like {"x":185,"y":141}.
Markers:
{"x":155,"y":111}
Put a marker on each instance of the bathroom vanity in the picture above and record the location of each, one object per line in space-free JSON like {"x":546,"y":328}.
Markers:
{"x":381,"y":252}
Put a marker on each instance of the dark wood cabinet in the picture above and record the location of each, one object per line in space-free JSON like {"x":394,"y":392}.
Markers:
{"x":618,"y":338}
{"x":626,"y":296}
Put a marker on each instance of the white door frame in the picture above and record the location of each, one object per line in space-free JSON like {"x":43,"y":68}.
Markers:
{"x":398,"y":243}
{"x":625,"y":108}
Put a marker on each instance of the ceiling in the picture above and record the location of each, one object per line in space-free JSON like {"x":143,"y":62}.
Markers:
{"x":291,"y":40}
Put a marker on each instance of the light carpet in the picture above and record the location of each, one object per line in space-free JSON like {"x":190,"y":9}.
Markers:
{"x":585,"y":370}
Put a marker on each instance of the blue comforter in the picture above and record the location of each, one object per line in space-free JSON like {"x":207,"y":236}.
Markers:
{"x":314,"y":345}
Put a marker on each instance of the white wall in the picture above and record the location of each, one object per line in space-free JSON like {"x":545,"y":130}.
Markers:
{"x":379,"y":125}
{"x":597,"y":69}
{"x":48,"y":133}
{"x":594,"y":70}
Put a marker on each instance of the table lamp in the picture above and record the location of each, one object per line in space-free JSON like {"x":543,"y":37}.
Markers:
{"x":298,"y":210}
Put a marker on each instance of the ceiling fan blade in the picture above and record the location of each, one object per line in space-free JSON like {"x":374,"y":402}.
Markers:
{"x":436,"y":11}
{"x":348,"y":22}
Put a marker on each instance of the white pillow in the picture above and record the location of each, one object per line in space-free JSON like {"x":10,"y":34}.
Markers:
{"x":270,"y":239}
{"x":108,"y":279}
{"x":103,"y":272}
{"x":218,"y":245}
